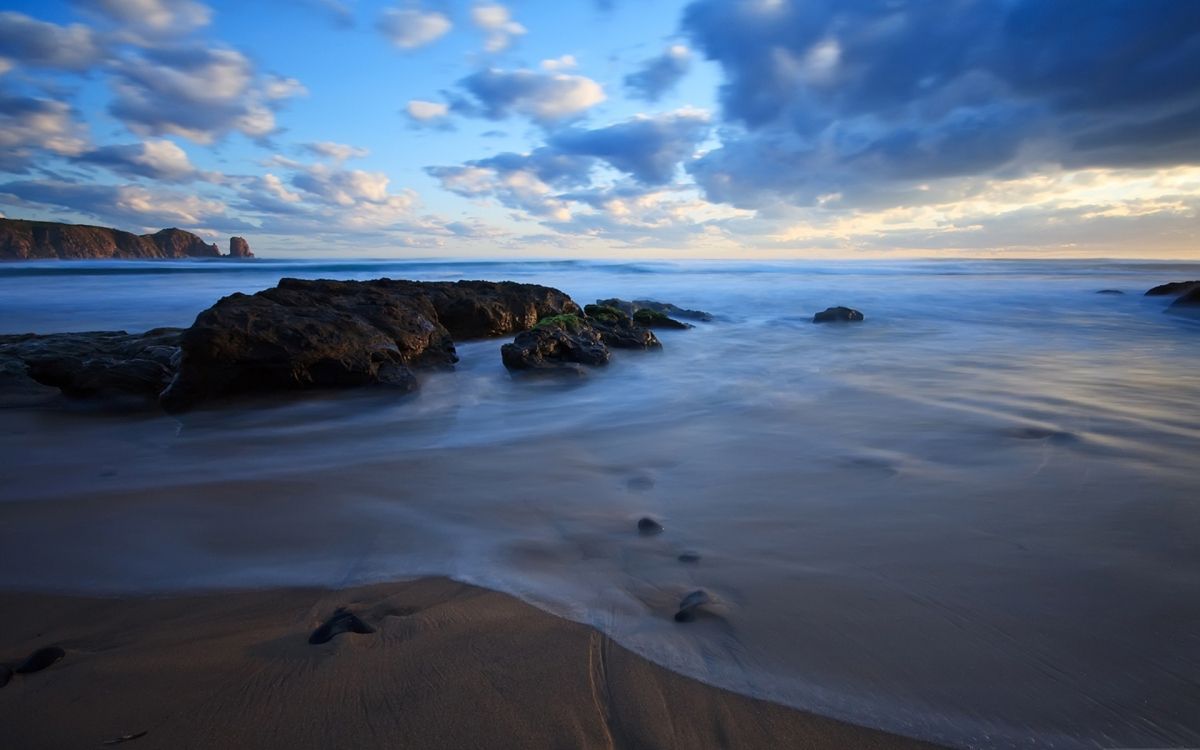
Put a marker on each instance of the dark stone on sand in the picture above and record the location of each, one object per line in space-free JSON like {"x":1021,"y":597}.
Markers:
{"x":1110,"y":291}
{"x":342,"y":621}
{"x":655,"y":319}
{"x":648,"y":526}
{"x":126,"y":738}
{"x":838,"y":315}
{"x":1173,"y":288}
{"x":100,"y":363}
{"x":1189,"y":301}
{"x":690,"y":603}
{"x":630,"y":308}
{"x":341,"y":334}
{"x":41,"y":659}
{"x":5,"y":675}
{"x":689,"y":557}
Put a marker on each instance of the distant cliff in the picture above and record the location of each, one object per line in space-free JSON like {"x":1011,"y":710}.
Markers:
{"x":29,"y":240}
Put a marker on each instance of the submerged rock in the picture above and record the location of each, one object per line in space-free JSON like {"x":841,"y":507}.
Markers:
{"x":648,"y":526}
{"x":99,"y":363}
{"x":339,"y":334}
{"x":1189,"y":302}
{"x":690,"y":603}
{"x":1110,"y":291}
{"x":1173,"y":288}
{"x":655,"y":319}
{"x":838,"y":315}
{"x":559,"y":344}
{"x":630,"y":308}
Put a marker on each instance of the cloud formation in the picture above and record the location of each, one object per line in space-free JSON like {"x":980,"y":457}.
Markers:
{"x":547,"y":98}
{"x":863,"y":98}
{"x":411,"y":28}
{"x":151,"y":16}
{"x":497,"y":24}
{"x":27,"y":42}
{"x":159,"y":160}
{"x":198,"y":93}
{"x":660,"y":74}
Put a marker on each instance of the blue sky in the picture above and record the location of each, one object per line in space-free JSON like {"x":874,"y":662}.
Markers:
{"x":699,"y":128}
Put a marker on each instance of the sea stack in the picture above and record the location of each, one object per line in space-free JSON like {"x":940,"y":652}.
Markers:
{"x":239,"y":248}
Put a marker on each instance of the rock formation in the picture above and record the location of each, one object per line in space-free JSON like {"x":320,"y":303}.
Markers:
{"x":239,"y":248}
{"x":838,"y":315}
{"x":1175,"y":288}
{"x":335,"y":334}
{"x":33,"y":240}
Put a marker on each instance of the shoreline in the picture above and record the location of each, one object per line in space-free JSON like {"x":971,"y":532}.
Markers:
{"x":236,"y":669}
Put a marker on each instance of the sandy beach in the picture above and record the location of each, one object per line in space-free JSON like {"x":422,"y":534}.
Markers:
{"x":449,"y":665}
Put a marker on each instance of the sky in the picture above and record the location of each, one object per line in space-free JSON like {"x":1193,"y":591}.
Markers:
{"x":612,"y":128}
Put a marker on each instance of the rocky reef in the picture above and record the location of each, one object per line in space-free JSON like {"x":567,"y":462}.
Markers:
{"x":318,"y":334}
{"x":34,"y":240}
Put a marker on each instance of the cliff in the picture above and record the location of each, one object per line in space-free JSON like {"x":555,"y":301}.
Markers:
{"x":28,"y":240}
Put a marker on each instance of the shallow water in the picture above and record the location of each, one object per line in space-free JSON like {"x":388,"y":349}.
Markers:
{"x":973,"y":518}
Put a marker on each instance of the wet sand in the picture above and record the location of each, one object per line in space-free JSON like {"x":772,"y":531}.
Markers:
{"x":448,"y":665}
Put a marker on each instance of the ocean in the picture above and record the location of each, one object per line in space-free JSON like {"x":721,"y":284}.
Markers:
{"x":973,"y":518}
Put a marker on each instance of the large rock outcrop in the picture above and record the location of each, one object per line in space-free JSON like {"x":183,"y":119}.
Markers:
{"x":99,"y":363}
{"x":1189,"y":302}
{"x":332,"y":334}
{"x":33,"y":240}
{"x":1175,"y":288}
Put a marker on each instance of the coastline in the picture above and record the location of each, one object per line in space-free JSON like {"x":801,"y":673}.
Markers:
{"x":237,"y":670}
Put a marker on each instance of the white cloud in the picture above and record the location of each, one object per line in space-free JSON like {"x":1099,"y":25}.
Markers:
{"x":497,"y":24}
{"x":566,"y":62}
{"x":410,"y":28}
{"x":545,"y":97}
{"x":155,"y":16}
{"x":155,"y":159}
{"x":339,"y":152}
{"x":28,"y":125}
{"x":426,"y":112}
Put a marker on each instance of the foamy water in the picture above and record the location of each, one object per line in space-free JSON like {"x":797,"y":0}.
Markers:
{"x":974,"y":518}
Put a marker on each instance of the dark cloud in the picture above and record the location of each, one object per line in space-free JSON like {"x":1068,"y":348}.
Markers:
{"x":198,"y":93}
{"x":648,"y":148}
{"x":28,"y":42}
{"x":659,"y":75}
{"x":827,"y":96}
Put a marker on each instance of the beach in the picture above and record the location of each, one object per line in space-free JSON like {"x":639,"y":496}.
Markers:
{"x":449,"y":665}
{"x":969,"y":519}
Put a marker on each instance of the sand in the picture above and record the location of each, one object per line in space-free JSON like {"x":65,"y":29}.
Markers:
{"x":448,"y":665}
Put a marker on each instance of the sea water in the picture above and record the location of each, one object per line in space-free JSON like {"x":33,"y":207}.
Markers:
{"x":973,"y":518}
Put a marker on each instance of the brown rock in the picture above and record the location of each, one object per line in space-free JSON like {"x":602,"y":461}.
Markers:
{"x":27,"y":240}
{"x":239,"y":248}
{"x":336,"y":334}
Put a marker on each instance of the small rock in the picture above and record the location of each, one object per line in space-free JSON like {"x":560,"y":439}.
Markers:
{"x":838,"y":315}
{"x":689,"y":557}
{"x":690,"y":603}
{"x":648,"y":526}
{"x":342,"y":621}
{"x":1110,"y":291}
{"x":41,"y":659}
